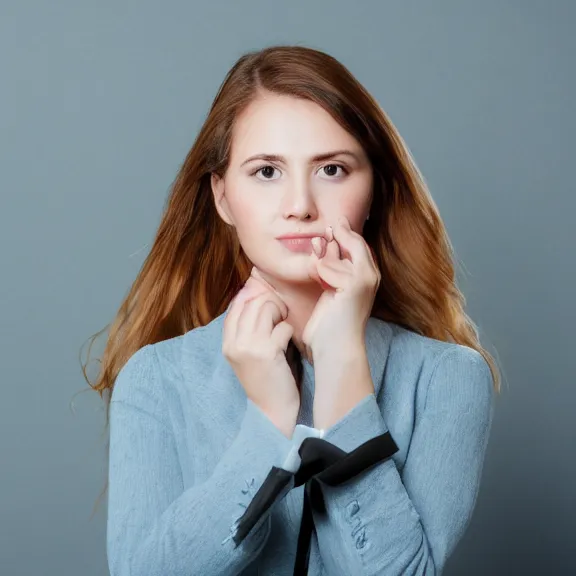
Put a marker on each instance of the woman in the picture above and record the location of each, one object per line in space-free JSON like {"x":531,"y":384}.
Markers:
{"x":300,"y":284}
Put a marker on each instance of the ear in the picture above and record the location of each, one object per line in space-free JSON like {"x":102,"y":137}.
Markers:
{"x":217,"y":184}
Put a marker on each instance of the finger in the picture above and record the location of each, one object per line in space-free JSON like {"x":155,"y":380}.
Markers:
{"x":319,"y":246}
{"x":265,"y":287}
{"x":256,"y":275}
{"x":234,"y":310}
{"x":260,"y":315}
{"x":256,"y":286}
{"x":281,"y":334}
{"x":335,"y":276}
{"x":250,"y":317}
{"x":332,"y":252}
{"x":313,"y":272}
{"x":351,"y":242}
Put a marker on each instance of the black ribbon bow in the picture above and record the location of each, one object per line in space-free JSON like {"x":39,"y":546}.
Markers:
{"x":320,"y":461}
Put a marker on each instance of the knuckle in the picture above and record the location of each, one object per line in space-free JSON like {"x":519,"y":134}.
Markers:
{"x":230,"y":355}
{"x":242,"y":349}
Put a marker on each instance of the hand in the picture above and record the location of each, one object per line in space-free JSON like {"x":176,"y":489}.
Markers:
{"x":344,"y":266}
{"x":335,"y":333}
{"x":254,"y":341}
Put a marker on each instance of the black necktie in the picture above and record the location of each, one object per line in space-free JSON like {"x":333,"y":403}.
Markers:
{"x":320,"y":461}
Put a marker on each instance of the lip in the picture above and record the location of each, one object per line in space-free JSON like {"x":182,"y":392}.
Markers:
{"x":298,"y":243}
{"x":298,"y":236}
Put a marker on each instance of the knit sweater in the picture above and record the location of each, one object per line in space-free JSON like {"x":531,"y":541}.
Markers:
{"x":189,"y":452}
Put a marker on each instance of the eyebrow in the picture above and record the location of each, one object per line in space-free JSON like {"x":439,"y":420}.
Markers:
{"x":317,"y":158}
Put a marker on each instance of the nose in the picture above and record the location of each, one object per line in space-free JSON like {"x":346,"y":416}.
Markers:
{"x":299,"y":202}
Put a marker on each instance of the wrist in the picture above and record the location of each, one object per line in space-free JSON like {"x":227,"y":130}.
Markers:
{"x":340,"y":370}
{"x":286,"y":427}
{"x":349,"y":352}
{"x":284,"y":420}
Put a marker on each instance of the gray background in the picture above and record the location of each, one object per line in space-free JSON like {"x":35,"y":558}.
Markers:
{"x":99,"y":103}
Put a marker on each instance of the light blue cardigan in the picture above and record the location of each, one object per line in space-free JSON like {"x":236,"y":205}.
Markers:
{"x":189,"y":450}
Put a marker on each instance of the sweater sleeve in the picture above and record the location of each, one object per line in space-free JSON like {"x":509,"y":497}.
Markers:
{"x":154,"y":525}
{"x":408,"y":522}
{"x":301,"y":432}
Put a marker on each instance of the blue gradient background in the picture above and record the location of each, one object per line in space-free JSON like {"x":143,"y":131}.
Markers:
{"x":99,"y":103}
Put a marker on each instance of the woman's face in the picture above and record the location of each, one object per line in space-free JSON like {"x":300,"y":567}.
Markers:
{"x":276,"y":185}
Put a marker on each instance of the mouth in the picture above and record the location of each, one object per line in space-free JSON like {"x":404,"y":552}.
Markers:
{"x":298,"y":244}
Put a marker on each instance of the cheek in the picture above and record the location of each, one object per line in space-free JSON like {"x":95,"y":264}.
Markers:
{"x":355,"y":208}
{"x":249,"y":216}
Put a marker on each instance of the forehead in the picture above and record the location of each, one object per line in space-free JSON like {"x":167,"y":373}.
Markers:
{"x":277,"y":124}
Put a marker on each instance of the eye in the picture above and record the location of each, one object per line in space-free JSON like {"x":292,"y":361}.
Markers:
{"x":267,"y":171}
{"x":332,"y":169}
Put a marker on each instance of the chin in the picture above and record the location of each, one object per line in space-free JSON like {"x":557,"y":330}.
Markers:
{"x":291,"y":270}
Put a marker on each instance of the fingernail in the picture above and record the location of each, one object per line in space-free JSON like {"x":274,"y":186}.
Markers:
{"x":329,"y":233}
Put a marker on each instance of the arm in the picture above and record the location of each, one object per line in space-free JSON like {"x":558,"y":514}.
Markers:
{"x":154,"y":525}
{"x":408,"y":523}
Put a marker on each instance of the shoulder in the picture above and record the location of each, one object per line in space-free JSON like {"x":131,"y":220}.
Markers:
{"x":407,"y":342}
{"x":460,"y":376}
{"x":138,"y":381}
{"x":201,"y":350}
{"x":149,"y":372}
{"x":155,"y":370}
{"x":438,"y":369}
{"x":431,"y":351}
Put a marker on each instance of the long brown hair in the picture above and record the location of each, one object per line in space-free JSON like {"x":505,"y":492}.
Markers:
{"x":196,"y":265}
